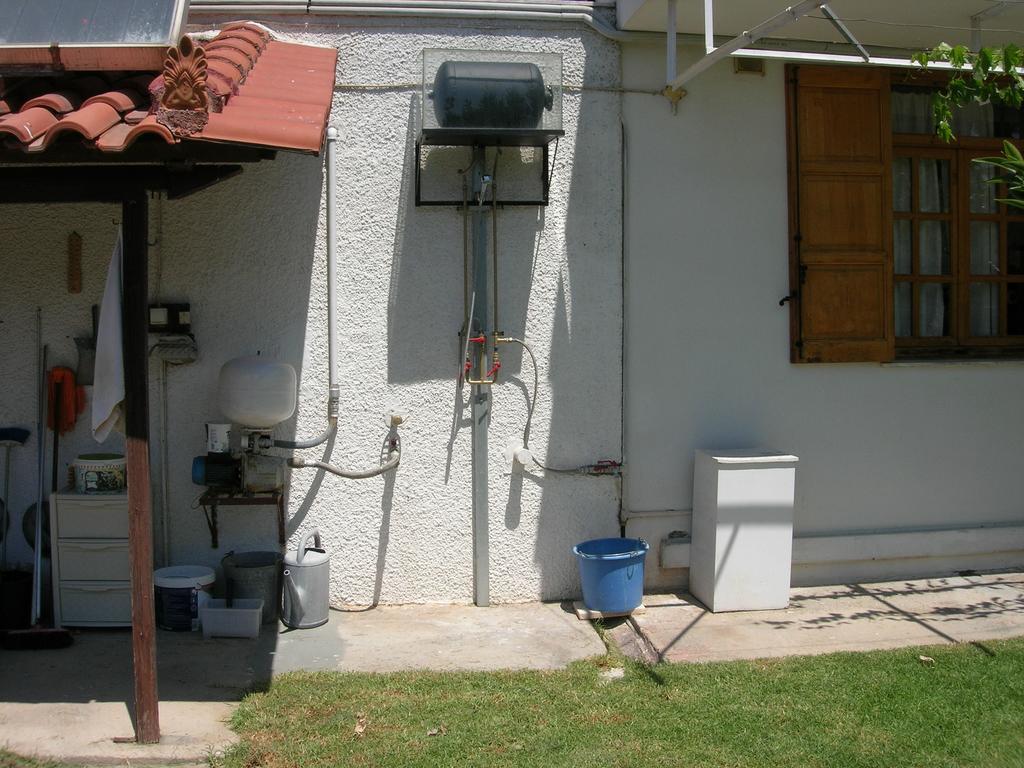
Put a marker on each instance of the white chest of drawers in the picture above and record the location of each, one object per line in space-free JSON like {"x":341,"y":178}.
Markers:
{"x":89,"y":545}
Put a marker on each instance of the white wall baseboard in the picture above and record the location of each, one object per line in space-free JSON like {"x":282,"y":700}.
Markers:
{"x":857,"y":555}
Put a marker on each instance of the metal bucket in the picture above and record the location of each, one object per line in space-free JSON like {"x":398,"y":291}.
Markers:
{"x":307,"y":583}
{"x":255,"y":575}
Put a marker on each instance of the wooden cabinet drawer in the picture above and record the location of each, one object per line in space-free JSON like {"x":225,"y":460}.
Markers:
{"x":91,"y":517}
{"x":95,"y":603}
{"x":93,"y":559}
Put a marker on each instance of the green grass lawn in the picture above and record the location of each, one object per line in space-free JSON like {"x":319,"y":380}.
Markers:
{"x":10,"y":760}
{"x":885,"y":708}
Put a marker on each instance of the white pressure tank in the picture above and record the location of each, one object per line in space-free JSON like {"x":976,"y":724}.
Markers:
{"x":256,"y":392}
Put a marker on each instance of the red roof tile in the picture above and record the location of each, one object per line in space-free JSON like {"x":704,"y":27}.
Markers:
{"x":242,"y":87}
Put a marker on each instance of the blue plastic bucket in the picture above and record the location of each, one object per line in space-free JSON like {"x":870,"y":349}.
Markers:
{"x":612,"y":573}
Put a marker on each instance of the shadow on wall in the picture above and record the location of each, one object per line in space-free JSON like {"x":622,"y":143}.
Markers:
{"x":571,"y":280}
{"x":425,"y":306}
{"x":252,"y":273}
{"x":584,"y":365}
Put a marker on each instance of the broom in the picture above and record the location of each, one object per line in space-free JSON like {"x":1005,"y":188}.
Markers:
{"x":37,"y":636}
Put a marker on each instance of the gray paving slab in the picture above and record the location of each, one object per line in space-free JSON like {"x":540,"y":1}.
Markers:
{"x":443,"y":637}
{"x":820,"y":620}
{"x":71,"y":704}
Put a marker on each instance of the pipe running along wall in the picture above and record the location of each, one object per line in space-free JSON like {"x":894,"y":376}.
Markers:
{"x":440,"y":9}
{"x":334,"y":388}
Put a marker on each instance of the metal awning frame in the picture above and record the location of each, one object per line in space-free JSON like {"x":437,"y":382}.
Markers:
{"x":739,"y":45}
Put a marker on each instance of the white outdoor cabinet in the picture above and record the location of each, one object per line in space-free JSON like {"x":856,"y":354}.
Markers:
{"x":742,"y":531}
{"x":91,"y":576}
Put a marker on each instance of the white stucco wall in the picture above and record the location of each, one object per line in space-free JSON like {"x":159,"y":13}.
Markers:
{"x":707,"y":345}
{"x":249,"y":254}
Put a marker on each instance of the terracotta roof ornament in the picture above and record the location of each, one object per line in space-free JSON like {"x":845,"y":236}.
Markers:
{"x":242,"y":87}
{"x":184,"y":104}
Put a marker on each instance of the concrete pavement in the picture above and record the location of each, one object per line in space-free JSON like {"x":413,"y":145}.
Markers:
{"x":72,"y":704}
{"x":851,"y":617}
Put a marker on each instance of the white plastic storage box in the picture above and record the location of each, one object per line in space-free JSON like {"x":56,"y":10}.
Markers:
{"x":742,"y":533}
{"x":93,"y":559}
{"x":242,"y":619}
{"x":98,"y":603}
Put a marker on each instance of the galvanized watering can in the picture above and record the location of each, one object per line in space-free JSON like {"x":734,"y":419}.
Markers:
{"x":307,"y":579}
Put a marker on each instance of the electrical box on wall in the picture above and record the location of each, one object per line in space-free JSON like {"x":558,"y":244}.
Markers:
{"x":508,"y":98}
{"x":170,"y":318}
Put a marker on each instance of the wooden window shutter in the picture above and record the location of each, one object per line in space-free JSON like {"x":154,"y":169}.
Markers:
{"x":840,"y":214}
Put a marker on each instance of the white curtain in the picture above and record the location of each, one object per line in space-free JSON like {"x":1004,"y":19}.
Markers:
{"x":984,"y":297}
{"x":974,"y":120}
{"x":984,"y":309}
{"x":984,"y":237}
{"x":903,"y":244}
{"x":933,"y":246}
{"x":912,"y":113}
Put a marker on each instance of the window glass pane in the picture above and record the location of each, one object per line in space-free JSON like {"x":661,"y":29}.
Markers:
{"x":984,"y":248}
{"x":1015,"y":248}
{"x":984,"y":309}
{"x":933,"y":248}
{"x":901,"y":184}
{"x":31,"y":25}
{"x":1015,"y":309}
{"x":904,"y":310}
{"x":149,"y":20}
{"x":903,"y":247}
{"x":912,"y":111}
{"x":933,"y":309}
{"x":71,"y":22}
{"x":1009,"y":121}
{"x":85,"y":21}
{"x":974,"y":119}
{"x":933,"y":185}
{"x":983,"y":193}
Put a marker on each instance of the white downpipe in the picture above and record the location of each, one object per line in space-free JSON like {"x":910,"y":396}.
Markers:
{"x":334,"y":393}
{"x":334,"y":388}
{"x":671,"y":12}
{"x":709,"y":26}
{"x":165,"y":516}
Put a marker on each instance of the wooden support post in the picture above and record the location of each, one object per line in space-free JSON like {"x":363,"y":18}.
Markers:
{"x":135,"y":316}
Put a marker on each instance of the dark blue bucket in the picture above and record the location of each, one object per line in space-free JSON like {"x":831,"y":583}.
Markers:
{"x":612,"y":572}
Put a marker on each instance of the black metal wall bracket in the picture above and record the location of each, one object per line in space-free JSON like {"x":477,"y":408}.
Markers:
{"x":212,"y":499}
{"x":544,"y":171}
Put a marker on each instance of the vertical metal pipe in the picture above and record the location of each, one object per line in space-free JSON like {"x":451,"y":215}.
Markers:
{"x":670,"y":42}
{"x":334,"y":380}
{"x":481,"y":398}
{"x":709,"y":26}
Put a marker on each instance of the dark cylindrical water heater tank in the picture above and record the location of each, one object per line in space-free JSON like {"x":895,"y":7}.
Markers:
{"x":490,"y":94}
